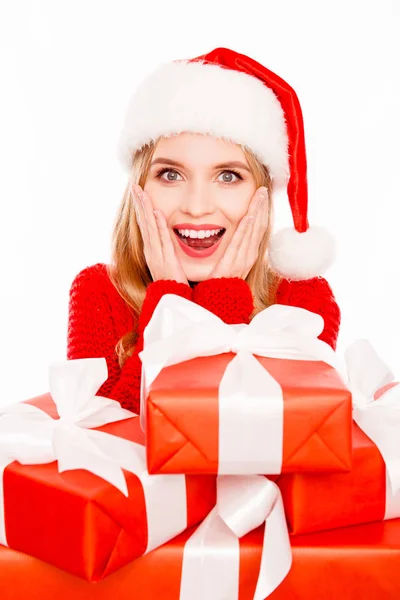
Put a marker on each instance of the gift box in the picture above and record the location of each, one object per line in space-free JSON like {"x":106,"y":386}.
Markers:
{"x":226,"y":399}
{"x":207,"y":560}
{"x":325,"y":501}
{"x":371,"y":491}
{"x":351,"y":563}
{"x":75,"y":519}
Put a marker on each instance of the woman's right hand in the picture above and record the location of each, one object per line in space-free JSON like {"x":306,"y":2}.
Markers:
{"x":158,"y":248}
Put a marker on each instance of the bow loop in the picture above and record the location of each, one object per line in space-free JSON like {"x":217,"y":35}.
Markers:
{"x":378,"y":418}
{"x":180,"y":330}
{"x":244,"y":501}
{"x":367,"y":372}
{"x":73,"y":385}
{"x":290,"y":319}
{"x":31,"y":436}
{"x":26,"y":440}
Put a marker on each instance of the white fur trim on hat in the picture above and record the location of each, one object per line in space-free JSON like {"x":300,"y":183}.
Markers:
{"x":298,"y":256}
{"x":204,"y":98}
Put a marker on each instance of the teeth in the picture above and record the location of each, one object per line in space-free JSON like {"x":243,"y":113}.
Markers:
{"x":203,"y":233}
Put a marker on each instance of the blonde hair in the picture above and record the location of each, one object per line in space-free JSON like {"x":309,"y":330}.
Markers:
{"x":129,"y":272}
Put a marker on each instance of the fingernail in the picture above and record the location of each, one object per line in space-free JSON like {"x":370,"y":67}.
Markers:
{"x":263,"y":193}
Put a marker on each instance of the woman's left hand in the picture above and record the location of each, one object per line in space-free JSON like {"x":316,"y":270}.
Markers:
{"x":242,"y":251}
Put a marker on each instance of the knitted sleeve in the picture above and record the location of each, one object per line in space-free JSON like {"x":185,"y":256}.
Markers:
{"x":315,"y":295}
{"x":229,"y":298}
{"x":92,"y":333}
{"x":154,"y":293}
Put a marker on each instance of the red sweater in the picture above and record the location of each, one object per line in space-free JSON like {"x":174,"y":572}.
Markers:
{"x":98,"y":317}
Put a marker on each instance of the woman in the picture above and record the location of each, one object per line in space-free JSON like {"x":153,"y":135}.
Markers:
{"x":206,"y":143}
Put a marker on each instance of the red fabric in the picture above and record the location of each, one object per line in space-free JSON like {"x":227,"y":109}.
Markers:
{"x":297,"y":187}
{"x":98,"y":317}
{"x":315,"y":295}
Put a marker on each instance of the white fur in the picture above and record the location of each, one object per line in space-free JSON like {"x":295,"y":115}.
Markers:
{"x":299,"y":256}
{"x":202,"y":98}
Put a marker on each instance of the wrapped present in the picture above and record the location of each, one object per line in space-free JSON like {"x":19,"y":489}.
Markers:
{"x":371,"y":491}
{"x":262,"y":398}
{"x":80,"y":496}
{"x":352,"y":563}
{"x":206,"y":562}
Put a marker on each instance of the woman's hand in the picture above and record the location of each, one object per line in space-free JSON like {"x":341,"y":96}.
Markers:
{"x":242,"y":251}
{"x":158,"y":248}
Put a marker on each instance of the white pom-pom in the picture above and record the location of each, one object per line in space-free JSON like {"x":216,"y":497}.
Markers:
{"x":298,"y":256}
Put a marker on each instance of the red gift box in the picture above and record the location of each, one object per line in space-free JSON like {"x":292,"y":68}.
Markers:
{"x":327,"y":501}
{"x":79,"y":522}
{"x":352,"y":563}
{"x":183,"y":427}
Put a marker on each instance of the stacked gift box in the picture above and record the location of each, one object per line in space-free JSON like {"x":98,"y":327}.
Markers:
{"x":257,"y":469}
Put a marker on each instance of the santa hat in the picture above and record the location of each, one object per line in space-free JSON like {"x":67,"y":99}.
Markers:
{"x":229,"y":95}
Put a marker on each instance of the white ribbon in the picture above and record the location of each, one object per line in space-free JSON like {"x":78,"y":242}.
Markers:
{"x":211,"y":558}
{"x":30,"y":436}
{"x":251,"y":432}
{"x":379,"y":419}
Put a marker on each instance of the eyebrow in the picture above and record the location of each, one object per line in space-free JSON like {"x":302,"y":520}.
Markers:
{"x":233,"y":163}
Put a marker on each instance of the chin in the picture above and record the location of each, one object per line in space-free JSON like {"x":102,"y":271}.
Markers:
{"x":197,"y":273}
{"x":198,"y":269}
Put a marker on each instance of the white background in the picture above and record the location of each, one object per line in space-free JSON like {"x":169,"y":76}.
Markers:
{"x":67,"y":72}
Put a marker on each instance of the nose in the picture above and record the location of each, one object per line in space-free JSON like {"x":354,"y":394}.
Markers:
{"x":197,"y":201}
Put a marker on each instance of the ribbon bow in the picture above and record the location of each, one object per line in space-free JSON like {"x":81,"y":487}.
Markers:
{"x":378,"y":418}
{"x":211,"y":558}
{"x":31,"y":436}
{"x":179,"y":330}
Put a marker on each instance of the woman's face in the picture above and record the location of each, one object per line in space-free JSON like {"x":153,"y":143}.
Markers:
{"x":203,"y":185}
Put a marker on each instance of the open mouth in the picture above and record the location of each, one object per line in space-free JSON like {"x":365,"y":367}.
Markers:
{"x":199,"y":240}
